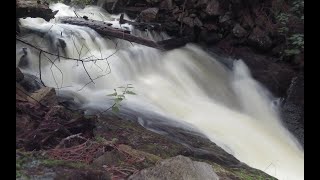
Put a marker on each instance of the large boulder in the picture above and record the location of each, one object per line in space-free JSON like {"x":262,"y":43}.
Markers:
{"x":178,"y":168}
{"x":149,"y":14}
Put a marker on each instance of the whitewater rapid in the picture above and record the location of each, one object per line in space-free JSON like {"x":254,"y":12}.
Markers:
{"x":185,"y":84}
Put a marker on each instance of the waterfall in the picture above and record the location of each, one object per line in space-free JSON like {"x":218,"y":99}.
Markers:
{"x":184,"y":85}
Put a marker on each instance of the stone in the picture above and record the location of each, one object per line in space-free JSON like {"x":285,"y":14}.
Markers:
{"x":149,"y":14}
{"x":247,"y":22}
{"x":210,"y":27}
{"x":178,"y":168}
{"x":259,"y":39}
{"x":209,"y":37}
{"x":193,"y":15}
{"x":212,"y":8}
{"x":46,"y":96}
{"x":166,"y":5}
{"x":239,"y":31}
{"x":225,"y":17}
{"x":197,"y":22}
{"x":188,"y":21}
{"x":201,"y":4}
{"x":19,"y":75}
{"x":293,"y":108}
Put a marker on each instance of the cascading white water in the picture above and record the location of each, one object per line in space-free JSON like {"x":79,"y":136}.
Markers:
{"x":185,"y":84}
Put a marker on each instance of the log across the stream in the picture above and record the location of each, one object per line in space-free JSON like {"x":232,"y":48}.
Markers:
{"x":34,"y":9}
{"x":104,"y":28}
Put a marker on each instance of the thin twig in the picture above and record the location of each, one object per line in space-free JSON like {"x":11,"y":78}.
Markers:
{"x":40,"y":69}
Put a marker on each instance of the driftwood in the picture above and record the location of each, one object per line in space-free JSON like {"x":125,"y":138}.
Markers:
{"x":34,"y":9}
{"x":103,"y":29}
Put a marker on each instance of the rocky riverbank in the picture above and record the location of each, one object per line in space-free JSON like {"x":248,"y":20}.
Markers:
{"x":55,"y":142}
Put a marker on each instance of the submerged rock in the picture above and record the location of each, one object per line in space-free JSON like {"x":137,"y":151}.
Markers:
{"x":179,"y":168}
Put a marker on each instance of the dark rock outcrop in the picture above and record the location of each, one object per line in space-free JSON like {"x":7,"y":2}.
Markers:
{"x":259,"y":39}
{"x":19,"y":75}
{"x":293,"y":108}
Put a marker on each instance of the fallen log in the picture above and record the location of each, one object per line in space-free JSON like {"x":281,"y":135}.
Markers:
{"x":34,"y":9}
{"x":103,"y":29}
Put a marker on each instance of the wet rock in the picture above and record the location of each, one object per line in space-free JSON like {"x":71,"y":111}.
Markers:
{"x":24,"y":59}
{"x":193,"y":15}
{"x":188,"y":21}
{"x":210,"y":27}
{"x":179,"y":2}
{"x":179,"y":168}
{"x":149,"y":14}
{"x":203,"y":15}
{"x":239,"y":31}
{"x":226,"y":17}
{"x":259,"y":39}
{"x":31,"y":83}
{"x":153,"y":1}
{"x":197,"y":22}
{"x":46,"y":96}
{"x":247,"y":22}
{"x":19,"y":75}
{"x":293,"y":108}
{"x":209,"y":37}
{"x":201,"y":4}
{"x":176,"y":10}
{"x":212,"y":8}
{"x":166,"y":4}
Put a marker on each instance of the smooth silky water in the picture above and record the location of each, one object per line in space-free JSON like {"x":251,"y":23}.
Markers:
{"x":184,"y":85}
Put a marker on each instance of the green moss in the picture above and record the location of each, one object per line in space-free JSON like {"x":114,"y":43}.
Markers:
{"x":247,"y":175}
{"x":54,"y":163}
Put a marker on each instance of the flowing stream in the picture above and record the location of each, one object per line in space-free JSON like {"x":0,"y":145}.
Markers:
{"x":184,"y":85}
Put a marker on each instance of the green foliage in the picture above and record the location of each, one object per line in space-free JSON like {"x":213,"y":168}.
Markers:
{"x":297,"y":7}
{"x":283,"y":18}
{"x":294,"y":42}
{"x":119,"y":97}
